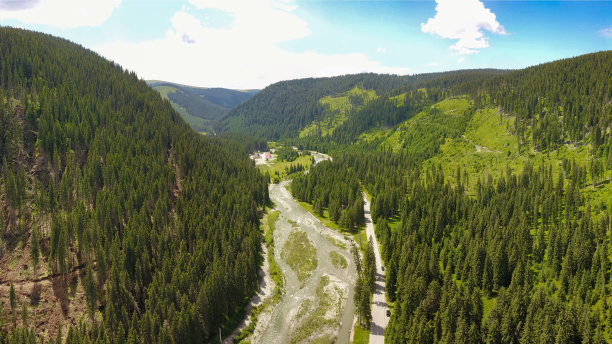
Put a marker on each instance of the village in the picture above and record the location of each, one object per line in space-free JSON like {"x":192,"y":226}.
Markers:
{"x":261,"y":158}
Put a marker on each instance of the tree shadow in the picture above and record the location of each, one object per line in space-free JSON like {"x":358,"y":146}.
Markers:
{"x":35,"y":294}
{"x":60,"y":291}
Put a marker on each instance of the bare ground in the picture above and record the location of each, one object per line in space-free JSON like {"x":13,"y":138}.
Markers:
{"x":52,"y":300}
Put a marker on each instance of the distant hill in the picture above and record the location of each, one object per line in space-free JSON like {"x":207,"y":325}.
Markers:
{"x":295,"y":108}
{"x":200,"y":106}
{"x":561,"y":101}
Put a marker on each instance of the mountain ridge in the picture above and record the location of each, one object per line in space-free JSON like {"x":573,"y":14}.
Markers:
{"x":200,"y":106}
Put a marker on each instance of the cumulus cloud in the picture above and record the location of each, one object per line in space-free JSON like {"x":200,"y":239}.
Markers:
{"x":58,"y":13}
{"x":246,"y":54}
{"x":16,"y":5}
{"x":463,"y":20}
{"x":607,"y":32}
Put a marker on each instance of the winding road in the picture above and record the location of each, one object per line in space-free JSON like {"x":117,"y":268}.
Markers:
{"x":379,"y":302}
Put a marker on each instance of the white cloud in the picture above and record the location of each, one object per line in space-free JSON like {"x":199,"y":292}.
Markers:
{"x":607,"y":32}
{"x":59,"y":13}
{"x":463,"y":20}
{"x":381,"y":50}
{"x":460,"y":60}
{"x":245,"y":55}
{"x":433,"y":64}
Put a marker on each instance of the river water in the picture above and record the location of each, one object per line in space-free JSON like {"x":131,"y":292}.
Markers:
{"x":288,"y":315}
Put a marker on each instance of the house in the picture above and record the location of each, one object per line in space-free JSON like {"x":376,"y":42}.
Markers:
{"x":266,"y":156}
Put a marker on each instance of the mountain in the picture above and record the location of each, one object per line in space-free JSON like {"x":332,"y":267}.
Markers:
{"x":117,"y":221}
{"x":285,"y":109}
{"x":490,"y":192}
{"x":200,"y":106}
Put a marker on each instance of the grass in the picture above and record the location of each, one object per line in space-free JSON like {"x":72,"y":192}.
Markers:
{"x":336,"y":242}
{"x":338,"y":260}
{"x":488,"y":146}
{"x":361,"y":335}
{"x":325,"y":218}
{"x":488,"y":305}
{"x":275,"y":272}
{"x":197,"y":123}
{"x":300,"y":254}
{"x":279,"y":168}
{"x":498,"y":149}
{"x":269,"y":225}
{"x":361,"y":238}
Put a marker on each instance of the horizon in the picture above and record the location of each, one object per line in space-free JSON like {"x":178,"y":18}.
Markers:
{"x":248,"y":45}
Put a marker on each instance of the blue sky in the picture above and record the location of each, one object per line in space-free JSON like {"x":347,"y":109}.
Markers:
{"x":253,"y":43}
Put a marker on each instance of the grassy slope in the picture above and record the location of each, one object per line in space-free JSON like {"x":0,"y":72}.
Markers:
{"x":197,"y":123}
{"x":487,"y":147}
{"x":340,"y":108}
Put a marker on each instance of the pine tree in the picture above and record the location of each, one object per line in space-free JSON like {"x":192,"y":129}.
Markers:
{"x":90,"y":291}
{"x":13,"y":303}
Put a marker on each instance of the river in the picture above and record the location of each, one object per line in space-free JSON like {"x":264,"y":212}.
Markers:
{"x":292,"y":316}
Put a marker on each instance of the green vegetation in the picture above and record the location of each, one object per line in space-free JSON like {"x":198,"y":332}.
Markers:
{"x":361,"y":335}
{"x":284,"y":109}
{"x":269,"y":225}
{"x":275,"y":272}
{"x":491,"y":196}
{"x":287,"y":154}
{"x":490,"y":191}
{"x":338,"y":110}
{"x":323,"y":218}
{"x":279,"y":170}
{"x":364,"y":287}
{"x":336,"y":242}
{"x":300,"y":254}
{"x":159,"y":222}
{"x":338,"y":260}
{"x":331,"y":187}
{"x":199,"y":106}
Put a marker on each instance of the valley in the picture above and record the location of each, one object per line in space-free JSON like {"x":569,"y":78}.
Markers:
{"x":469,"y":206}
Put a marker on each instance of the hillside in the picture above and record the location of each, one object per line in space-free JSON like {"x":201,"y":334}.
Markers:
{"x":305,"y":107}
{"x":117,"y":221}
{"x":199,"y":106}
{"x":491,"y":196}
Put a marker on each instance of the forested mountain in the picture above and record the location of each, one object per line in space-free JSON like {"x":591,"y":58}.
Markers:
{"x":118,"y":223}
{"x":491,"y":196}
{"x":199,"y":106}
{"x":283,"y":109}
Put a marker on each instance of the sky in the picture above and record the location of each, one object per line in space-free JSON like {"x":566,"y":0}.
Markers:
{"x":249,"y":44}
